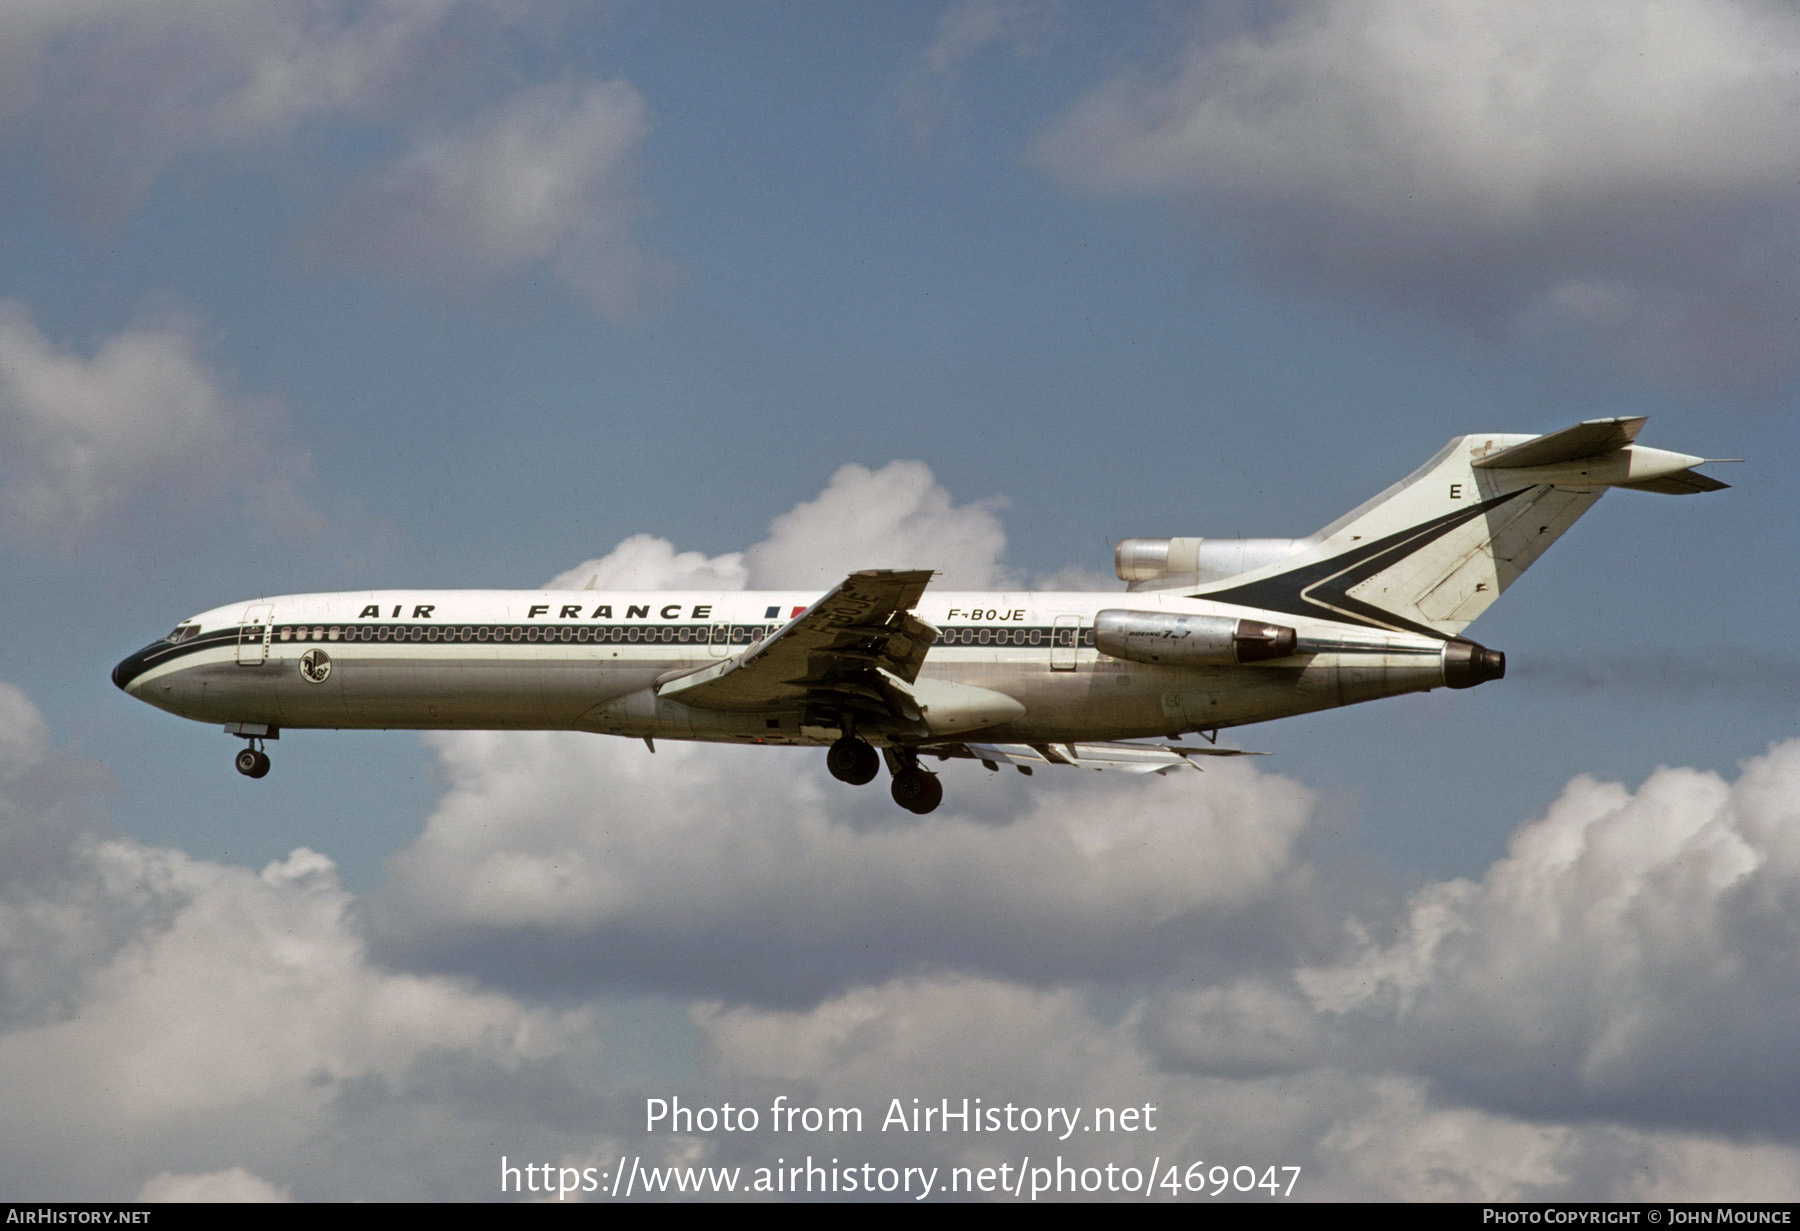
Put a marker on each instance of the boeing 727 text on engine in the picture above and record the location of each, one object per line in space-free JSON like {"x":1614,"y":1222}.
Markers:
{"x":1210,"y":633}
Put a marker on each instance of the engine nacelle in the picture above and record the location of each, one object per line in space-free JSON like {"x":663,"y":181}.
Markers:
{"x":1189,"y":640}
{"x":1163,"y":563}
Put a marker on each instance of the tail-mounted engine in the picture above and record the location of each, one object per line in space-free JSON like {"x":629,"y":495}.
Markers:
{"x":1467,"y":664}
{"x":1189,"y":640}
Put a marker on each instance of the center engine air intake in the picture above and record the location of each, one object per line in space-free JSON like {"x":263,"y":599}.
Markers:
{"x":1161,"y":564}
{"x":1189,"y":640}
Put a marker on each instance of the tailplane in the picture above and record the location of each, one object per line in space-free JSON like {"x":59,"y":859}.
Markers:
{"x":1430,"y":553}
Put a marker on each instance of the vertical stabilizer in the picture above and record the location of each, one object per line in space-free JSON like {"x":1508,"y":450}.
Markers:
{"x":1430,"y":553}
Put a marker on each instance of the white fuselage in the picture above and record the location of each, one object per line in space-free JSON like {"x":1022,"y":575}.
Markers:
{"x":592,"y":661}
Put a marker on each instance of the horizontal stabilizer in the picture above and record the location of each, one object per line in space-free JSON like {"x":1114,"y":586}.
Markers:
{"x":1586,"y":439}
{"x":1681,"y":483}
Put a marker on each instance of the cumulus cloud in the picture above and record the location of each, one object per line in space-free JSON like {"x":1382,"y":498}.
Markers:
{"x":894,"y":517}
{"x":125,"y":88}
{"x":544,"y":177}
{"x":1399,"y":1143}
{"x":233,"y":1018}
{"x":1593,"y":1020}
{"x":1353,"y":1135}
{"x":181,"y":1029}
{"x":87,"y":440}
{"x":1625,"y":167}
{"x":1245,"y":1028}
{"x":218,"y":1032}
{"x":1632,"y":956}
{"x":1073,"y":577}
{"x":645,"y":562}
{"x":547,"y":176}
{"x":48,"y":802}
{"x":233,"y":1185}
{"x":747,"y":872}
{"x":24,"y":740}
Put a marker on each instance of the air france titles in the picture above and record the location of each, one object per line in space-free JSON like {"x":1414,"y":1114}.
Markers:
{"x":420,"y":611}
{"x":572,"y":611}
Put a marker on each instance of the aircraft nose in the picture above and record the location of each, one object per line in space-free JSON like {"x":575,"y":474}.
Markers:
{"x":130,"y":668}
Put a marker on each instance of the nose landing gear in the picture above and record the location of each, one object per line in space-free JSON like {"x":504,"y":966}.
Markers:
{"x":252,"y":762}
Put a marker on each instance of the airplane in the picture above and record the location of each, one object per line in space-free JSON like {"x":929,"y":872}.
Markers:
{"x":1209,"y":634}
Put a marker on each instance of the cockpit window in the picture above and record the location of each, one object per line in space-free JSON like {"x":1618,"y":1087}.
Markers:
{"x":182,"y":633}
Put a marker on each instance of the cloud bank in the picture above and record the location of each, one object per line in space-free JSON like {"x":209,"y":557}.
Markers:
{"x":1633,"y":955}
{"x":142,"y":425}
{"x":547,"y":176}
{"x":541,"y":177}
{"x":126,"y":89}
{"x":1626,"y":168}
{"x":190,"y":1028}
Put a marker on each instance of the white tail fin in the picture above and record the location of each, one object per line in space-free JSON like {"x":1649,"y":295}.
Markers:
{"x":1430,"y":553}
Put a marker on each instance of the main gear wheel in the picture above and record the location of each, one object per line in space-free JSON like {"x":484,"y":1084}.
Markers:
{"x":917,"y":790}
{"x":853,"y":761}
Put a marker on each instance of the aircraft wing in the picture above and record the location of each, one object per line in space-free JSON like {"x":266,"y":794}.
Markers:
{"x":856,"y":649}
{"x":1132,"y":758}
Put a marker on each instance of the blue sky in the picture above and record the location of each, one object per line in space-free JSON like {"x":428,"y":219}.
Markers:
{"x":330,"y":296}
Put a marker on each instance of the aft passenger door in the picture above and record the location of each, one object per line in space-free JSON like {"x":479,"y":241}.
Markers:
{"x":253,"y":634}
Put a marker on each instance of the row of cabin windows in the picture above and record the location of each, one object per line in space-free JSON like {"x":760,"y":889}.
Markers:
{"x":696,"y":634}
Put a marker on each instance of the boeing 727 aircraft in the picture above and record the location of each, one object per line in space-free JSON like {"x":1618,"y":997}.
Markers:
{"x":1209,"y":634}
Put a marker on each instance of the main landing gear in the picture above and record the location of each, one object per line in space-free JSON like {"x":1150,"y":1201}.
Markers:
{"x":851,"y":760}
{"x":917,"y":790}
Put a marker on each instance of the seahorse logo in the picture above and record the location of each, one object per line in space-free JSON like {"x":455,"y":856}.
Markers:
{"x":315,"y":666}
